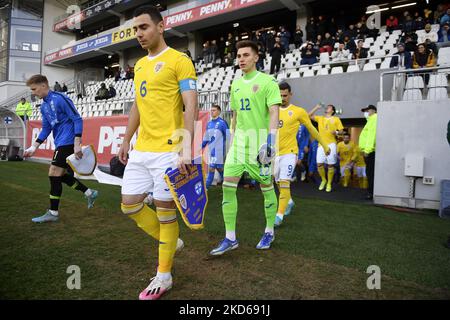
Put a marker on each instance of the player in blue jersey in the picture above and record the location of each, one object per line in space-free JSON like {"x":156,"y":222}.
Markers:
{"x":303,"y":142}
{"x":60,"y":117}
{"x":216,"y":138}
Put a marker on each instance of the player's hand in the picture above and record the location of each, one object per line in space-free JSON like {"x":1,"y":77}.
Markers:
{"x":306,"y":149}
{"x":29,"y":152}
{"x":77,"y":151}
{"x":328,"y":151}
{"x":183,"y":162}
{"x":123,"y":152}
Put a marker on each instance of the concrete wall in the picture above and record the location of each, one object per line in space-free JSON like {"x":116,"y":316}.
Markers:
{"x":52,"y":40}
{"x":9,"y":89}
{"x":349,"y":91}
{"x":417,"y":128}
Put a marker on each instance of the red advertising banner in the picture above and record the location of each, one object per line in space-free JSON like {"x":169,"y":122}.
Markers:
{"x":105,"y":134}
{"x":207,"y":11}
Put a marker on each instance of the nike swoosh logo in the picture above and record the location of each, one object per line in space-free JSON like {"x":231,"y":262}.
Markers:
{"x":269,"y":206}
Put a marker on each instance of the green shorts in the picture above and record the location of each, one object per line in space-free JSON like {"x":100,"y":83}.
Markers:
{"x":243,"y":159}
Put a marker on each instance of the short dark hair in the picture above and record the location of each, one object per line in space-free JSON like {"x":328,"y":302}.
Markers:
{"x":284,"y":86}
{"x":334,"y":108}
{"x":217,"y":107}
{"x":37,"y":79}
{"x":247,"y":44}
{"x":346,"y":133}
{"x":152,"y":11}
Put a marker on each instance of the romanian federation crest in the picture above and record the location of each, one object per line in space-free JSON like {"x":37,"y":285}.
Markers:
{"x":255,"y":88}
{"x":159,"y":66}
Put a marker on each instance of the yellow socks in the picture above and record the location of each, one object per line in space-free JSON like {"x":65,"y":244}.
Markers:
{"x":347,"y":176}
{"x":285,"y":194}
{"x":144,"y":216}
{"x":330,"y":175}
{"x":321,"y":170}
{"x":169,"y":232}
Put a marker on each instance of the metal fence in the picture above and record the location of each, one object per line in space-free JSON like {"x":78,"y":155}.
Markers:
{"x":417,"y":84}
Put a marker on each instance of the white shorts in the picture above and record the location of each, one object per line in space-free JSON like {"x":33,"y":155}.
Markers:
{"x":331,"y":159}
{"x":145,"y":172}
{"x":347,"y":166}
{"x":284,"y":167}
{"x":361,"y":172}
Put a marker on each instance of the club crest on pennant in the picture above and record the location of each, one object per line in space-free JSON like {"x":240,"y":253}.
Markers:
{"x":183,"y":202}
{"x":159,"y":66}
{"x":198,"y":188}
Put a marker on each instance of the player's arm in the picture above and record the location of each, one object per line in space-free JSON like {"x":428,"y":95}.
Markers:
{"x":274,"y":112}
{"x":133,"y":124}
{"x":45,"y":132}
{"x":313,"y":131}
{"x":71,"y":111}
{"x":190,"y":101}
{"x":313,"y":111}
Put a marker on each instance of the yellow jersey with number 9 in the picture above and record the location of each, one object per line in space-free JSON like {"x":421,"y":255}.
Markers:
{"x":159,"y":82}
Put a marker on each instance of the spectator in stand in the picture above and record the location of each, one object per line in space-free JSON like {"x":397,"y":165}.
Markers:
{"x":270,"y":40}
{"x":230,"y":45}
{"x":213,"y":52}
{"x":360,"y":52}
{"x":23,"y":109}
{"x":332,"y":26}
{"x":410,"y":43}
{"x":321,"y":26}
{"x":57,"y":87}
{"x":391,"y":23}
{"x":129,"y":74}
{"x":438,"y":13}
{"x":112,"y":91}
{"x":318,"y":42}
{"x":445,"y":18}
{"x":341,"y":54}
{"x":102,"y":93}
{"x":285,"y":37}
{"x":409,"y":24}
{"x":205,"y":52}
{"x":428,"y":35}
{"x":276,"y":54}
{"x":327,"y":44}
{"x":309,"y":54}
{"x":260,"y":41}
{"x":64,"y":88}
{"x":311,"y":30}
{"x":298,"y":38}
{"x":444,"y":34}
{"x":221,"y":48}
{"x":261,"y":57}
{"x":423,"y":57}
{"x":351,"y":32}
{"x":227,"y":60}
{"x":405,"y":58}
{"x":419,"y":23}
{"x":361,"y":31}
{"x":349,"y":44}
{"x":123,"y":75}
{"x":339,"y":36}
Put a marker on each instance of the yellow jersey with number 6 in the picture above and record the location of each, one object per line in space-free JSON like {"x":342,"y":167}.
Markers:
{"x":159,"y":82}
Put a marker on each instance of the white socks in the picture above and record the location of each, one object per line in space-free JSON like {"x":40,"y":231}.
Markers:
{"x":231,"y":235}
{"x":165,"y":276}
{"x":269,"y":230}
{"x":53,"y":213}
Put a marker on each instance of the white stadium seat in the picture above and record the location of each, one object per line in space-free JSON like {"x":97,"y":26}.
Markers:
{"x":370,"y":66}
{"x":412,"y":95}
{"x":323,"y":72}
{"x":337,"y":70}
{"x":415,"y":83}
{"x":437,"y":94}
{"x":438,"y":80}
{"x":353,"y":68}
{"x":308,"y":73}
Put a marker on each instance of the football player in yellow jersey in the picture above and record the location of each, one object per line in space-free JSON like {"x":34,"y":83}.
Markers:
{"x":346,"y":152}
{"x":165,"y":80}
{"x":290,"y":119}
{"x":360,"y":165}
{"x":329,"y":127}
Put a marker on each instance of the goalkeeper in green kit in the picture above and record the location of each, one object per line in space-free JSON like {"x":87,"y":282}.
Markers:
{"x":254,"y":99}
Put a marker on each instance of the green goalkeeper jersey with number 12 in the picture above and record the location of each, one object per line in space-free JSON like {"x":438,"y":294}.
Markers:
{"x":251,"y":97}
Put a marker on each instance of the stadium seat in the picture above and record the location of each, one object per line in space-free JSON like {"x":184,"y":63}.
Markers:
{"x":438,"y":80}
{"x":415,"y":82}
{"x":324,"y":57}
{"x":437,"y":94}
{"x":370,"y":66}
{"x":308,"y":73}
{"x":444,"y":57}
{"x":322,"y":72}
{"x":412,"y":95}
{"x":353,"y":68}
{"x":337,"y":70}
{"x":294,"y":74}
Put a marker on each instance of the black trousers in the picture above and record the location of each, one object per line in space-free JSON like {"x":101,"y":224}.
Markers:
{"x":275,"y":64}
{"x":370,"y":171}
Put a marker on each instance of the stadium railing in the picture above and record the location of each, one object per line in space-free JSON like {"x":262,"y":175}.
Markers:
{"x":417,"y":84}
